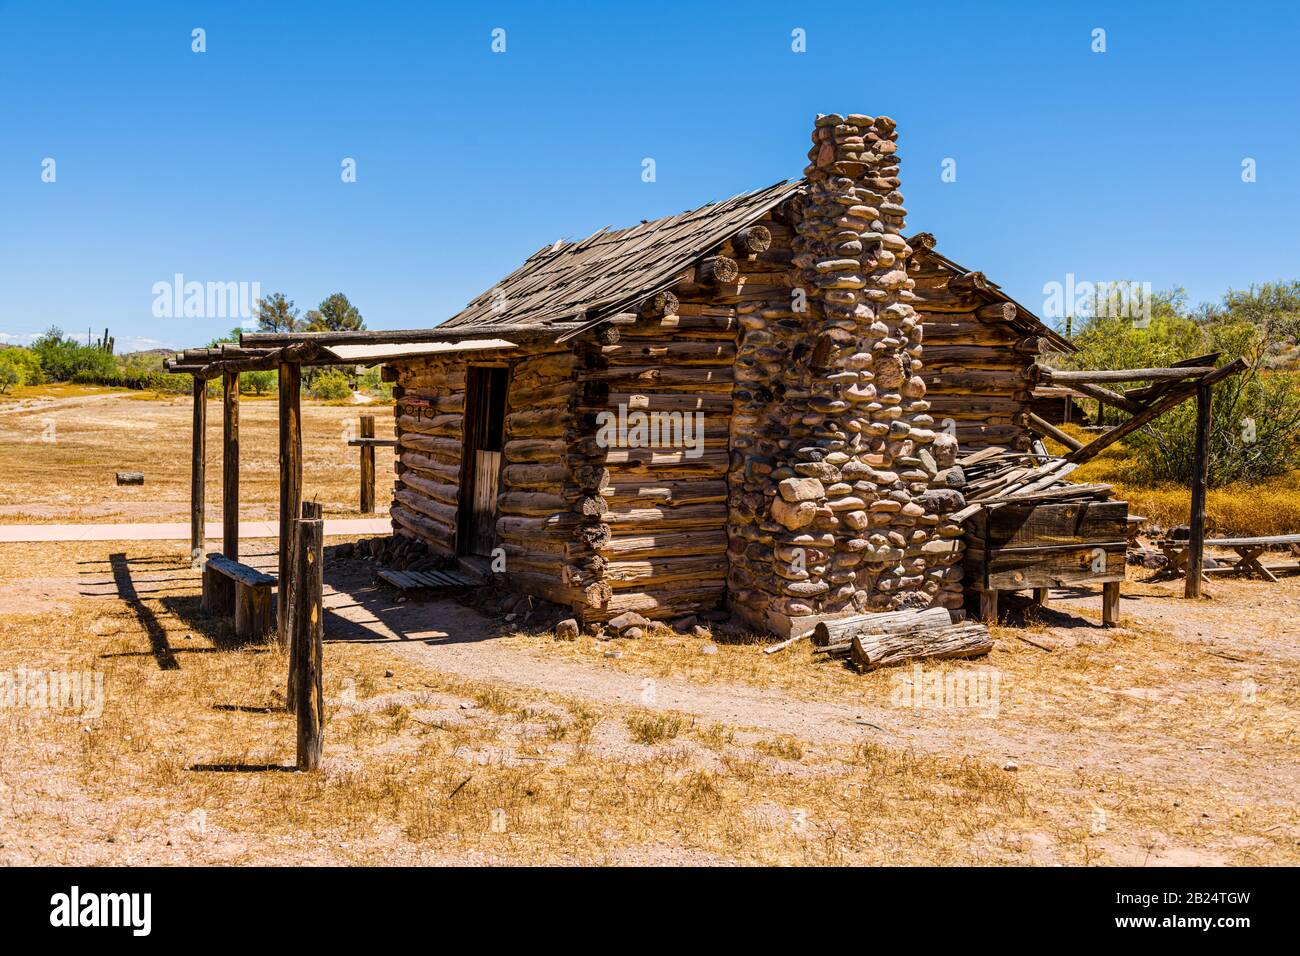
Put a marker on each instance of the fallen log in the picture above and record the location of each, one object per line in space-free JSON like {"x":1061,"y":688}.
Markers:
{"x":872,"y":651}
{"x":840,"y":630}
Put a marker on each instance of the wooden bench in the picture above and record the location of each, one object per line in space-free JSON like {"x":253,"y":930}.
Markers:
{"x":231,"y":589}
{"x":1248,"y":552}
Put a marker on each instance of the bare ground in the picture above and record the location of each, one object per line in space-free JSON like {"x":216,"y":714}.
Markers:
{"x":453,"y":738}
{"x":59,"y":454}
{"x":1171,"y":740}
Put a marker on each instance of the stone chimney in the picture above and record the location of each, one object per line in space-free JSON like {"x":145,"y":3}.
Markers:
{"x":845,"y":452}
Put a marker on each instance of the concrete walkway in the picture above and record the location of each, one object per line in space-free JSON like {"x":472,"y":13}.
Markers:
{"x":175,"y":531}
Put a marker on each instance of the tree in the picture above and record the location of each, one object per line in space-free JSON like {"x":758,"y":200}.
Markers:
{"x":275,"y":313}
{"x":61,"y":358}
{"x":230,"y":338}
{"x":335,"y":314}
{"x":258,"y":383}
{"x":24,"y":363}
{"x":1255,"y":427}
{"x":331,"y":385}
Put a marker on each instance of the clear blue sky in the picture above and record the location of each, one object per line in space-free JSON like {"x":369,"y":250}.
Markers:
{"x":225,"y":165}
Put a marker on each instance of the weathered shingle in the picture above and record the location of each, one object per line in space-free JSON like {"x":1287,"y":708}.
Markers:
{"x":570,"y":282}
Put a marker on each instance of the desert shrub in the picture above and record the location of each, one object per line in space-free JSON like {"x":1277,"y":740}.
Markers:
{"x":62,"y":359}
{"x":257,"y":383}
{"x":652,"y":728}
{"x":25,"y":366}
{"x":330,"y":385}
{"x":1255,"y":425}
{"x":1254,"y":433}
{"x":371,"y":382}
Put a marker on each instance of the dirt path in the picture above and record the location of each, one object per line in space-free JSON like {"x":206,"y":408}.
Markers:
{"x":1132,"y":723}
{"x":174,"y":530}
{"x":455,"y":640}
{"x":1238,"y":616}
{"x":55,"y":404}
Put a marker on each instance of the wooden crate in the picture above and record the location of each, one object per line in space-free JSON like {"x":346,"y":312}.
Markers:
{"x":1041,"y":546}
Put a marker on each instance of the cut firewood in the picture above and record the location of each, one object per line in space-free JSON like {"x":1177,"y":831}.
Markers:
{"x":841,"y":630}
{"x":872,"y":651}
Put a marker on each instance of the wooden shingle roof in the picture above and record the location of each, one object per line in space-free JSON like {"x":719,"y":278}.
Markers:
{"x":569,"y":283}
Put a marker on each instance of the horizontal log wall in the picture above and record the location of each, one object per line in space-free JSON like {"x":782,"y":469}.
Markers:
{"x":977,"y":366}
{"x":654,"y":415}
{"x":772,"y":334}
{"x":429,"y":420}
{"x":536,"y":496}
{"x":533,"y":525}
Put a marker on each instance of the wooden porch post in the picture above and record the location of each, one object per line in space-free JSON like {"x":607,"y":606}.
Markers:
{"x":290,"y":491}
{"x":198,"y":449}
{"x":230,"y":466}
{"x":1200,"y":480}
{"x":311,"y":512}
{"x":367,"y":465}
{"x":308,"y":629}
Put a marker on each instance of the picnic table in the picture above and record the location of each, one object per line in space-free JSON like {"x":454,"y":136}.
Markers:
{"x":1248,"y":552}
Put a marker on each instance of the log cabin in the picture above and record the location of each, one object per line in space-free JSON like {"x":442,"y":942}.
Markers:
{"x":756,"y":406}
{"x":725,"y":407}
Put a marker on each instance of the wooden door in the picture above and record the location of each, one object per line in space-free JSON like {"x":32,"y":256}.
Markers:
{"x":485,"y":419}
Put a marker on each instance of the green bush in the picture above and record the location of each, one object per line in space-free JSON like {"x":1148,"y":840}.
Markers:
{"x":371,"y":382}
{"x":257,"y":383}
{"x":166,"y":382}
{"x":1255,"y":423}
{"x":8,"y":378}
{"x":331,"y":385}
{"x":24,"y":365}
{"x":62,"y":359}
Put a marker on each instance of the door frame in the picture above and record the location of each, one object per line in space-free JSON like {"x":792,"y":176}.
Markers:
{"x":475,"y":427}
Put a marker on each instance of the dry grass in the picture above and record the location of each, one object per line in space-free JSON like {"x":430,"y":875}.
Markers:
{"x":56,"y":390}
{"x":654,"y":728}
{"x":81,"y":435}
{"x":424,"y":767}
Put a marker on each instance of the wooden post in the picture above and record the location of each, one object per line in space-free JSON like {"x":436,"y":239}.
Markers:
{"x":1041,"y":596}
{"x":311,"y":511}
{"x":290,"y":491}
{"x":230,"y":465}
{"x":988,"y":607}
{"x":308,"y":630}
{"x":1200,"y":480}
{"x":367,"y":466}
{"x":198,"y":471}
{"x":1110,"y":604}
